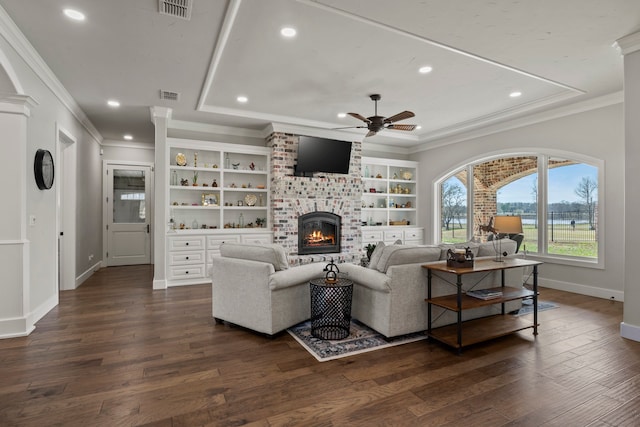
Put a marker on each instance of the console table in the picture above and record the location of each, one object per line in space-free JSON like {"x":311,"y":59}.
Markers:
{"x":463,"y":334}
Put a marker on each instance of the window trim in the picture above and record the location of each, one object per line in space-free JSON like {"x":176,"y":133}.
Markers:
{"x":543,"y":159}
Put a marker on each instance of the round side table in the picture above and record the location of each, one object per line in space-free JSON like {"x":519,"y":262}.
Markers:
{"x":331,"y":308}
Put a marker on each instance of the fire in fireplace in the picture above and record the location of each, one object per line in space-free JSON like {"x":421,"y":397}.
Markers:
{"x":318,"y":233}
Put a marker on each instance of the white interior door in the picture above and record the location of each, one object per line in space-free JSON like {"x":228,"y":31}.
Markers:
{"x":128,"y":214}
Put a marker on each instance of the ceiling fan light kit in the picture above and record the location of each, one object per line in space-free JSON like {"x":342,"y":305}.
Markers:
{"x":377,"y":123}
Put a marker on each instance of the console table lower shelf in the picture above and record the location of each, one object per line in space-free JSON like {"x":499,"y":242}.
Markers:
{"x":480,"y":330}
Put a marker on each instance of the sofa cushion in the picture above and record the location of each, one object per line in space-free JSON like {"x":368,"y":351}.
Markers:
{"x":272,"y":254}
{"x":507,"y":245}
{"x":406,"y":254}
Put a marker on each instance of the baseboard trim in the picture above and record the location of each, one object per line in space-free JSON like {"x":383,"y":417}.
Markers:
{"x":159,"y":284}
{"x":88,"y":273}
{"x":628,"y":331}
{"x":576,"y":288}
{"x":16,"y":327}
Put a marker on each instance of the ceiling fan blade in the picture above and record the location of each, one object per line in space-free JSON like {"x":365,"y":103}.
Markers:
{"x":371,"y":133}
{"x":401,"y":127}
{"x":359,"y":117}
{"x":399,"y":116}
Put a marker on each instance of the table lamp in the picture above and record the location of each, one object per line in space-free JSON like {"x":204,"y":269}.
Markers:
{"x":505,"y":224}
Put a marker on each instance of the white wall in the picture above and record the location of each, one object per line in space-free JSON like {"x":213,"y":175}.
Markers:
{"x":50,"y":112}
{"x":597,"y":133}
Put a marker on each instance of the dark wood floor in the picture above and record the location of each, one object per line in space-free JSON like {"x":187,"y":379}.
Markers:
{"x":116,"y":353}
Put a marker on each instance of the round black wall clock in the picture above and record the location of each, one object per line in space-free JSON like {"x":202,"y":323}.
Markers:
{"x":43,"y":169}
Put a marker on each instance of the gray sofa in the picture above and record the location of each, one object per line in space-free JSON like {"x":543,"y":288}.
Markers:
{"x":253,"y":287}
{"x":389,"y":295}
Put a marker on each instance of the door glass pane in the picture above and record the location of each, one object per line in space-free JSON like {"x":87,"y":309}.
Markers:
{"x":453,"y":208}
{"x":572,"y":211}
{"x":128,"y":196}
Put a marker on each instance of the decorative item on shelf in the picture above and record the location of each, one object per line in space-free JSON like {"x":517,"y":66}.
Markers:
{"x":195,"y":179}
{"x":395,"y":175}
{"x":460,"y":258}
{"x":195,"y":159}
{"x":372,"y":190}
{"x":240,"y":203}
{"x":204,"y":184}
{"x":184,"y":182}
{"x":235,"y":165}
{"x":215,"y":166}
{"x":407,"y":205}
{"x":174,"y":177}
{"x":260,"y":222}
{"x":331,"y":275}
{"x":206,"y":165}
{"x":378,"y":176}
{"x":399,"y":189}
{"x":182,"y":226}
{"x":250,"y":199}
{"x":214,"y":183}
{"x":260,"y":200}
{"x":233,"y":185}
{"x":403,"y":222}
{"x":260,"y":186}
{"x":366,"y":171}
{"x":194,"y":225}
{"x":244,"y":185}
{"x":406,"y":175}
{"x":241,"y":221}
{"x":252,"y":166}
{"x":227,"y":162}
{"x":407,"y":190}
{"x":181,"y":159}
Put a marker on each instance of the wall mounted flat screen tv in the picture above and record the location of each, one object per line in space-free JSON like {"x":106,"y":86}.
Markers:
{"x":322,"y":155}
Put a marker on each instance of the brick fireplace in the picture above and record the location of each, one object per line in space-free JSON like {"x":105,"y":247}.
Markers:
{"x":294,"y":196}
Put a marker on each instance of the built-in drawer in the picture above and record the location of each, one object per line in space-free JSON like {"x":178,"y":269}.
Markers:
{"x":186,"y":257}
{"x":186,"y":272}
{"x":183,"y":243}
{"x":414,"y":234}
{"x":214,"y":242}
{"x":371,"y":235}
{"x":393,"y":235}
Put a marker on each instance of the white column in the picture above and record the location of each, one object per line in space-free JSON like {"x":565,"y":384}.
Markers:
{"x":160,"y":117}
{"x":14,"y":246}
{"x":630,"y":48}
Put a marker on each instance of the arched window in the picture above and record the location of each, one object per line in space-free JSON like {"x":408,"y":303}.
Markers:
{"x":557,"y":197}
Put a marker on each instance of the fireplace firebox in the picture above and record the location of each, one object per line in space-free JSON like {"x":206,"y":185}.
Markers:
{"x":318,"y":233}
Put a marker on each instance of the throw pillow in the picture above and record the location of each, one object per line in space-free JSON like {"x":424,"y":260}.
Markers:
{"x":375,"y":256}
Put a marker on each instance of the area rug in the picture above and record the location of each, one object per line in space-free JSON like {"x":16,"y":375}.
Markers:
{"x":527,"y":307}
{"x":361,"y":339}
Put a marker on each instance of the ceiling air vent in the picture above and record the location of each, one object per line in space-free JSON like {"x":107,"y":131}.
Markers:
{"x":169,"y":95}
{"x":177,"y":8}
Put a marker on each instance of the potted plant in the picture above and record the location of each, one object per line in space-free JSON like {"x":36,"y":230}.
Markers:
{"x":195,"y":179}
{"x":370,"y":248}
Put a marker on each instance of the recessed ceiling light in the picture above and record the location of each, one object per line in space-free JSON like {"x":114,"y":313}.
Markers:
{"x":418,"y":127}
{"x":128,"y":137}
{"x":74,"y":14}
{"x":242,"y":99}
{"x":425,"y":70}
{"x":515,"y":94}
{"x":113,"y":103}
{"x":342,"y":115}
{"x":288,"y":32}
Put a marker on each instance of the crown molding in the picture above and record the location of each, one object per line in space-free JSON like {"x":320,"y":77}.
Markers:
{"x":567,"y":110}
{"x":12,"y":34}
{"x":629,"y":43}
{"x":128,"y":144}
{"x":214,"y":129}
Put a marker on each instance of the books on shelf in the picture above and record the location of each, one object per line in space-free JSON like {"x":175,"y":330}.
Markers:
{"x":485,"y":294}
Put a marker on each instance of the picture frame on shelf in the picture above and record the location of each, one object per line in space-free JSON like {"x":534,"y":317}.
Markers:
{"x":209,"y":199}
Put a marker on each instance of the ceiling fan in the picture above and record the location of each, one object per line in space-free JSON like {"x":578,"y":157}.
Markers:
{"x":377,"y":123}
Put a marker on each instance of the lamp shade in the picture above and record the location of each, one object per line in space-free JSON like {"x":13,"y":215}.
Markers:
{"x":504,"y":224}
